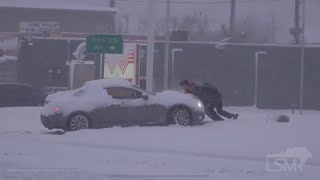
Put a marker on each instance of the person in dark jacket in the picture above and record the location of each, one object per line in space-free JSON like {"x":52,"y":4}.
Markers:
{"x":210,"y":97}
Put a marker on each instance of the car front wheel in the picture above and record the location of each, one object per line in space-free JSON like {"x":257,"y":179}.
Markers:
{"x":182,"y":116}
{"x":78,"y":122}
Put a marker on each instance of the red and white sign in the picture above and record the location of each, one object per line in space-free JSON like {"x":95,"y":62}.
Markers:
{"x":122,"y":65}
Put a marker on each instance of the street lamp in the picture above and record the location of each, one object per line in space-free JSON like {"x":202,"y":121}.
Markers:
{"x":256,"y":76}
{"x":150,"y":45}
{"x":167,"y":47}
{"x":173,"y":51}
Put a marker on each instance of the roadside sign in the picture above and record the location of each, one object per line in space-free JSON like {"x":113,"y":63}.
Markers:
{"x":101,"y":43}
{"x":122,"y":65}
{"x":44,"y":28}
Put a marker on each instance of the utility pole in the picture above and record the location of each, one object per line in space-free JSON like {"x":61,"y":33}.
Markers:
{"x":232,"y":18}
{"x":302,"y":56}
{"x":167,"y":47}
{"x":150,"y":45}
{"x":112,"y":3}
{"x":297,"y":21}
{"x":127,"y":18}
{"x":273,"y":29}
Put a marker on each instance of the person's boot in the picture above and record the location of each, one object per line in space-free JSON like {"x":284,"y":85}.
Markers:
{"x":235,"y":116}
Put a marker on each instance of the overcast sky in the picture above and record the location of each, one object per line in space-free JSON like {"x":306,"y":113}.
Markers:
{"x":262,"y":10}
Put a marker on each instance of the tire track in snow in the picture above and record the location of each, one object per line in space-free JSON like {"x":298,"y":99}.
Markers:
{"x":175,"y":152}
{"x":149,"y":150}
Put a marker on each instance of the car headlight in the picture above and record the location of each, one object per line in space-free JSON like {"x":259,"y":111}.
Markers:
{"x":200,"y":105}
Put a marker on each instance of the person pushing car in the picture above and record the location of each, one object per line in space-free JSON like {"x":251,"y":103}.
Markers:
{"x":210,"y":97}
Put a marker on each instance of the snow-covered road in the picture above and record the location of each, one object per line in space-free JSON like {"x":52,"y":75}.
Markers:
{"x":233,"y":149}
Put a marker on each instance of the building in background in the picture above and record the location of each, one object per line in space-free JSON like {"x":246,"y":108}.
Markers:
{"x":62,"y":15}
{"x":24,"y":20}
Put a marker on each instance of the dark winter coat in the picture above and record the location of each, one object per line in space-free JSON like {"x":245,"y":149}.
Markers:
{"x":208,"y":94}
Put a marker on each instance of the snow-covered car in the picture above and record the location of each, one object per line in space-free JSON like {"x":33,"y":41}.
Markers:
{"x":113,"y":102}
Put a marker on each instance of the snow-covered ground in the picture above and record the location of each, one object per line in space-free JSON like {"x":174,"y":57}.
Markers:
{"x":232,"y":149}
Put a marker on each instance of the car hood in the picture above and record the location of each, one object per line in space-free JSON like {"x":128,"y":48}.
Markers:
{"x":170,"y":98}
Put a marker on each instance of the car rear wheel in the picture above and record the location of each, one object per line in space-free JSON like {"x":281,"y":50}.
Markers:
{"x":182,"y":116}
{"x":78,"y":122}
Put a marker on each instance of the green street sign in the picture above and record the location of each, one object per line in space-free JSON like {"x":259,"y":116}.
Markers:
{"x":109,"y":44}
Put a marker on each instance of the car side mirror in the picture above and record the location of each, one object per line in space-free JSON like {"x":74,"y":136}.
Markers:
{"x":145,"y":97}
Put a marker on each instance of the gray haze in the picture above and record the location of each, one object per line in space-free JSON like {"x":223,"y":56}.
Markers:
{"x":279,"y":14}
{"x":262,"y":10}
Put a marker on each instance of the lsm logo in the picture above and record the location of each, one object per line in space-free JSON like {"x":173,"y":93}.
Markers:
{"x":291,"y":160}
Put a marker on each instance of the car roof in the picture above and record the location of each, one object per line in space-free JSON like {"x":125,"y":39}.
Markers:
{"x":108,"y":83}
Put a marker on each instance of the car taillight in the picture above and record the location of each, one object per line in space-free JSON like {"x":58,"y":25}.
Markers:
{"x":56,"y":109}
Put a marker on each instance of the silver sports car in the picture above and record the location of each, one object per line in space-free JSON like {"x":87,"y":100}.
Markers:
{"x":107,"y":103}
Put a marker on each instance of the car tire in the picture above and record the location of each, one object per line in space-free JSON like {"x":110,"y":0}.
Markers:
{"x":182,"y":116}
{"x":78,"y":121}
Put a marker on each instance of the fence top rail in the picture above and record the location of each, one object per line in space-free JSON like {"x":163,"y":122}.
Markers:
{"x":82,"y":36}
{"x":245,"y":44}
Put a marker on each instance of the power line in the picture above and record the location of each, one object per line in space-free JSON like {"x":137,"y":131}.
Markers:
{"x":206,"y":2}
{"x":316,"y":3}
{"x":181,"y":1}
{"x":188,"y":2}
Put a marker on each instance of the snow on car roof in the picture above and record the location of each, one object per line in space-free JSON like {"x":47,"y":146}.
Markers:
{"x":105,"y":83}
{"x":83,"y":5}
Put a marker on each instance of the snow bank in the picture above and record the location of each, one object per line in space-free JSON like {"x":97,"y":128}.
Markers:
{"x":5,"y":59}
{"x":20,"y":119}
{"x":9,"y":43}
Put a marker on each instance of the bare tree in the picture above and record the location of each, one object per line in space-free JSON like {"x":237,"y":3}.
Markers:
{"x":197,"y":24}
{"x":202,"y":29}
{"x":250,"y":30}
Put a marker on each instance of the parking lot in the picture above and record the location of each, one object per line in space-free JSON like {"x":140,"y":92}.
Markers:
{"x":225,"y":150}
